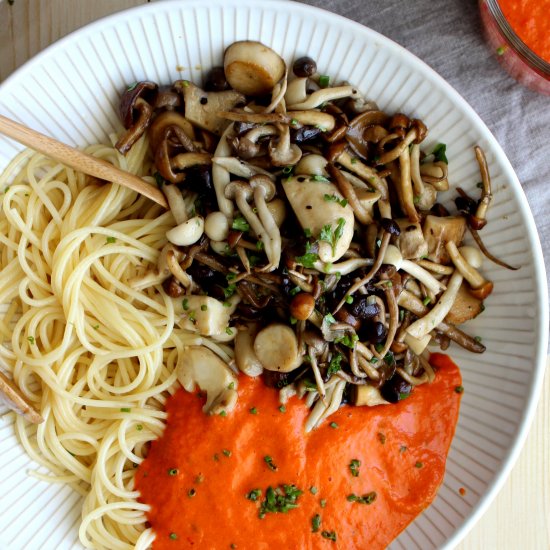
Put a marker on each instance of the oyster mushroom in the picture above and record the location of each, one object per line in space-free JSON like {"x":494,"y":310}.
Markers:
{"x":330,"y":221}
{"x":367,"y":396}
{"x":210,"y":316}
{"x":203,"y":368}
{"x":203,"y":108}
{"x":136,"y":113}
{"x":170,"y":119}
{"x":252,"y":68}
{"x":440,"y":230}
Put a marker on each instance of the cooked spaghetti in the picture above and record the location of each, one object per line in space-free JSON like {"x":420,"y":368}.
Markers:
{"x":95,"y":356}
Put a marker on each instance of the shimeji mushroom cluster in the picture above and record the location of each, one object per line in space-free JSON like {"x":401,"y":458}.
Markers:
{"x":308,"y":241}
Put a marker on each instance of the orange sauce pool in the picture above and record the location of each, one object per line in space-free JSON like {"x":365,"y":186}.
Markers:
{"x":197,"y":475}
{"x":530,"y":20}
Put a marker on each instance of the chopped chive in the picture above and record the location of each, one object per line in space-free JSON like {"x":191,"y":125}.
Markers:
{"x":315,"y":523}
{"x":333,"y":425}
{"x":125,"y":410}
{"x":229,"y":331}
{"x":139,"y":427}
{"x":426,"y":300}
{"x":191,"y":493}
{"x":349,"y":299}
{"x":204,"y":307}
{"x":459,"y":389}
{"x":173,"y":536}
{"x":354,"y":466}
{"x":324,"y":80}
{"x":223,"y":413}
{"x":282,"y":409}
{"x":478,"y":339}
{"x":254,"y":495}
{"x":313,"y":490}
{"x":231,"y":386}
{"x":185,"y":304}
{"x":253,"y":410}
{"x":31,"y":339}
{"x":323,"y":503}
{"x":111,"y":240}
{"x":419,"y":465}
{"x":270,"y":464}
{"x":330,"y":535}
{"x":227,"y":452}
{"x":173,"y":472}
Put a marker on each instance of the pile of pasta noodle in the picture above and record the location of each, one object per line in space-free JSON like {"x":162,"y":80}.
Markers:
{"x":94,"y":355}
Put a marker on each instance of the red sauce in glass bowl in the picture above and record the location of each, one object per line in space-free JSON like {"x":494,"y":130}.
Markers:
{"x":530,"y":20}
{"x":518,"y":31}
{"x":364,"y":474}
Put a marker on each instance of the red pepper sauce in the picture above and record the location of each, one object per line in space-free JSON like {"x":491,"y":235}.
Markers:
{"x":530,"y":20}
{"x":197,"y":475}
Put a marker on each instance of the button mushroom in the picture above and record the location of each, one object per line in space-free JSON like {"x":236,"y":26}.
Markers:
{"x":330,"y":221}
{"x":276,"y":346}
{"x":252,"y":68}
{"x":203,"y":368}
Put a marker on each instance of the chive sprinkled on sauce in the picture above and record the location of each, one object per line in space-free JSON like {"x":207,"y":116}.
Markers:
{"x":270,"y":464}
{"x":191,"y":493}
{"x":253,"y":410}
{"x":173,"y":536}
{"x":329,"y":535}
{"x":227,"y":452}
{"x":282,"y":499}
{"x":313,"y":490}
{"x":354,"y":466}
{"x":333,"y":425}
{"x":173,"y":472}
{"x":315,"y":523}
{"x":419,"y":465}
{"x":254,"y":495}
{"x":282,"y":409}
{"x":459,"y":389}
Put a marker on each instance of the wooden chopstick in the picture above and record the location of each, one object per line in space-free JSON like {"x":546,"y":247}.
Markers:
{"x":76,"y":159}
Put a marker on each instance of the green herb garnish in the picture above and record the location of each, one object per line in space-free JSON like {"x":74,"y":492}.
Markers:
{"x":439,"y":153}
{"x":369,"y":498}
{"x":270,"y":464}
{"x":240,"y":224}
{"x":315,"y":523}
{"x":354,"y":466}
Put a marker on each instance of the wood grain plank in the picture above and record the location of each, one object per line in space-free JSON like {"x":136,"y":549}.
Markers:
{"x":520,"y":515}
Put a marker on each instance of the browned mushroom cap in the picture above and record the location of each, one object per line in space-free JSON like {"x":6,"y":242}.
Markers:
{"x":357,"y":135}
{"x":167,"y":98}
{"x":135,"y":112}
{"x":166,"y":125}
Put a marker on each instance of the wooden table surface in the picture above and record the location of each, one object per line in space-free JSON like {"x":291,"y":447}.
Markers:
{"x":519,"y":518}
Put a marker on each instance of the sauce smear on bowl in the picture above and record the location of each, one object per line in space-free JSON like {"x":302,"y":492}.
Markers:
{"x":365,"y":474}
{"x":531,"y":22}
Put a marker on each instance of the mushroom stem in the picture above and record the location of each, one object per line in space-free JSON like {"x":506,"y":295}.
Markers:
{"x":220,"y":175}
{"x":241,"y":168}
{"x":396,"y":152}
{"x":347,"y":189}
{"x":344,"y":268}
{"x":375,"y":267}
{"x":273,"y":251}
{"x":479,"y":220}
{"x":394,"y":257}
{"x":405,"y":187}
{"x":418,"y":184}
{"x":317,"y":373}
{"x":394,"y":319}
{"x":426,"y":324}
{"x":413,"y":304}
{"x":468,"y":268}
{"x":278,"y":94}
{"x":354,"y":364}
{"x":486,"y":252}
{"x":325,"y":94}
{"x":177,"y":271}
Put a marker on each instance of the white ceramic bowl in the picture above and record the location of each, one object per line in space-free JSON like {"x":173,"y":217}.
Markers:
{"x":70,"y":91}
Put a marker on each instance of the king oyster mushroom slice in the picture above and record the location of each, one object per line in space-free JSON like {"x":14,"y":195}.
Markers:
{"x":252,"y":68}
{"x":202,"y":108}
{"x":211,"y":317}
{"x":307,"y":198}
{"x":245,"y":356}
{"x":276,"y":347}
{"x":202,"y":367}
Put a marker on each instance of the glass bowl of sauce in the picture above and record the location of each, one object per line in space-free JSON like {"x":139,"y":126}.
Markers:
{"x":519,"y":33}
